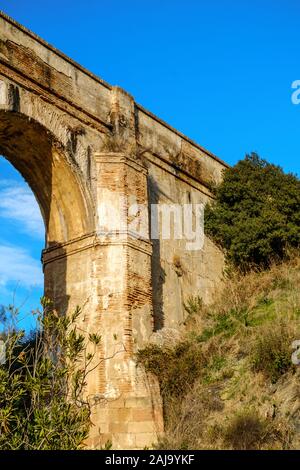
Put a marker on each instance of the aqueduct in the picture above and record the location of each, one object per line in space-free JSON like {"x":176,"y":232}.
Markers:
{"x":80,"y":142}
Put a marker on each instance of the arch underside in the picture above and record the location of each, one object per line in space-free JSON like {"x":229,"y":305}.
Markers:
{"x":44,"y":164}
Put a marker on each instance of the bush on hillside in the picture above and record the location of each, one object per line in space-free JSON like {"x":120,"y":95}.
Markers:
{"x":271,"y":353}
{"x":184,"y":362}
{"x":255,"y":217}
{"x":247,"y":430}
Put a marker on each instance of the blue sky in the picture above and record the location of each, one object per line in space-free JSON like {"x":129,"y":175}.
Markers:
{"x":22,"y":236}
{"x":218,"y":71}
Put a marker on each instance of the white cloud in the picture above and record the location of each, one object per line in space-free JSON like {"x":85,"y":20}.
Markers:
{"x":18,"y":266}
{"x":17,"y":203}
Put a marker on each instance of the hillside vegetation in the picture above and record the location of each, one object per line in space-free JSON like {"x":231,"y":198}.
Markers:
{"x":229,"y":383}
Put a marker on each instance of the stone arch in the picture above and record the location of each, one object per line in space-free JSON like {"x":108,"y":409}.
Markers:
{"x":43,"y":162}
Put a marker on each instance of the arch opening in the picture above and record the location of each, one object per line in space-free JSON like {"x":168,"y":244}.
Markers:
{"x":22,"y":238}
{"x":44,"y":164}
{"x":42,"y":161}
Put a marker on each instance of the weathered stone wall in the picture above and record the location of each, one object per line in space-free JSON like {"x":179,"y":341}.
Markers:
{"x":179,"y":273}
{"x":80,"y":142}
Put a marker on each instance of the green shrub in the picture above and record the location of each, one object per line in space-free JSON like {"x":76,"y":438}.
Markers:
{"x":193,"y":305}
{"x":256,"y":214}
{"x":223,"y":324}
{"x":42,"y":382}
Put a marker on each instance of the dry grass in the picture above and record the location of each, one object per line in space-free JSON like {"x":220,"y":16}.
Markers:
{"x":243,"y":293}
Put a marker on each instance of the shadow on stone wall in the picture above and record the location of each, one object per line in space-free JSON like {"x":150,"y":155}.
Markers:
{"x":158,"y":273}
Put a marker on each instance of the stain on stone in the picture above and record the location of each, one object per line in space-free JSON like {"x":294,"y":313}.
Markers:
{"x":136,"y":122}
{"x":48,"y":76}
{"x":14,"y":98}
{"x":72,"y":143}
{"x":88,"y":162}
